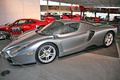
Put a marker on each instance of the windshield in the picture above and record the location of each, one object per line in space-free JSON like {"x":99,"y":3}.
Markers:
{"x":8,"y":24}
{"x":53,"y":28}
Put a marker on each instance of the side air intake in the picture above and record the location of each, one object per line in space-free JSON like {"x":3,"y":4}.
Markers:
{"x":91,"y":35}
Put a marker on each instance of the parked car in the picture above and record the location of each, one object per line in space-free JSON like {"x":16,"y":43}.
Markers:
{"x":22,"y":25}
{"x":59,"y":38}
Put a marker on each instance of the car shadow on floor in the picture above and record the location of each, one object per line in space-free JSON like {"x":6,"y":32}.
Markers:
{"x":108,"y":51}
{"x":98,"y":50}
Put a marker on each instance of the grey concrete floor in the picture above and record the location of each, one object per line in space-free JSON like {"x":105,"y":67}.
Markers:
{"x":95,"y":64}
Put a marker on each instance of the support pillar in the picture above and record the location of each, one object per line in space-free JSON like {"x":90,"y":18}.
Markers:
{"x":47,"y":6}
{"x":81,"y":15}
{"x":95,"y":14}
{"x":108,"y":16}
{"x":59,"y":7}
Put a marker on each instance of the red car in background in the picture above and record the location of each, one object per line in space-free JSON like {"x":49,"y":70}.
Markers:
{"x":22,"y":25}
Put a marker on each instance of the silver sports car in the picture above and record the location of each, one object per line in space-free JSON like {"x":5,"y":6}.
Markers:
{"x":59,"y":38}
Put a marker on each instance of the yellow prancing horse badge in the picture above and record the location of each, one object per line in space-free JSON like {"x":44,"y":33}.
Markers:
{"x":6,"y":28}
{"x":58,"y":42}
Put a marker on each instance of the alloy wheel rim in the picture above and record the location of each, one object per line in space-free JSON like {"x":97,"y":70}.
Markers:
{"x":3,"y":36}
{"x":47,"y":53}
{"x":108,"y":39}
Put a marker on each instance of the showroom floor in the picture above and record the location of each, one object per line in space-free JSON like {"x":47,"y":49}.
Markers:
{"x":95,"y":64}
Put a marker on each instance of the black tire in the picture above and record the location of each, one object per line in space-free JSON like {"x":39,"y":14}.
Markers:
{"x":43,"y":55}
{"x":4,"y":35}
{"x":108,"y":41}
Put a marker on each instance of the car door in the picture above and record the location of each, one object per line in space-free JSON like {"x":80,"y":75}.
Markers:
{"x":19,"y":23}
{"x":30,"y":24}
{"x":72,"y":39}
{"x":17,"y":27}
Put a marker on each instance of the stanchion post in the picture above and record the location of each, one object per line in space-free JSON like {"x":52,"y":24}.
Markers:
{"x":118,"y":40}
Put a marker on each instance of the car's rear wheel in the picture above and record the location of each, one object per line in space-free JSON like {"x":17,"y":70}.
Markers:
{"x":46,"y":53}
{"x":3,"y":34}
{"x":108,"y":39}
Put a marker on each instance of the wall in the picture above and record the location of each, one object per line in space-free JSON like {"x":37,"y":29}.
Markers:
{"x":11,"y":10}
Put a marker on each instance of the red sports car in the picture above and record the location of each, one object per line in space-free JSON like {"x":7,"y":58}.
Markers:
{"x":22,"y":25}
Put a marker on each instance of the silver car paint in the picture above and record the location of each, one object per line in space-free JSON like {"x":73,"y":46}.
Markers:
{"x":66,"y":43}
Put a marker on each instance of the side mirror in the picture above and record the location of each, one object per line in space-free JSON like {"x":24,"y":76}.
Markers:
{"x":55,"y":36}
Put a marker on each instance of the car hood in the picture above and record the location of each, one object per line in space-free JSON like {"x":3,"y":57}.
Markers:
{"x":3,"y":26}
{"x":26,"y":38}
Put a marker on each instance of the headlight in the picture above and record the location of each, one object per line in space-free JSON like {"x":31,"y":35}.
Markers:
{"x":12,"y":52}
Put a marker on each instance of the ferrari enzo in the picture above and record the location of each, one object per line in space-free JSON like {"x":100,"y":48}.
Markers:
{"x":59,"y":38}
{"x":22,"y":25}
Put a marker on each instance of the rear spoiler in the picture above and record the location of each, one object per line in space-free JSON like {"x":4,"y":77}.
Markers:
{"x":74,"y":18}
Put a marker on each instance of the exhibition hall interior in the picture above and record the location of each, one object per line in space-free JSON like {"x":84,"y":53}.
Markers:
{"x":59,"y":39}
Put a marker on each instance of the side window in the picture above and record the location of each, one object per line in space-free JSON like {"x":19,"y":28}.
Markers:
{"x":15,"y":24}
{"x":65,"y":30}
{"x":30,"y":22}
{"x":73,"y":27}
{"x":70,"y":28}
{"x":18,"y":23}
{"x":87,"y":27}
{"x":21,"y":22}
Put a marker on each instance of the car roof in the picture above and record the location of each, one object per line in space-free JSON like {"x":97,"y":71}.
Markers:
{"x":75,"y":21}
{"x":29,"y":19}
{"x":68,"y":21}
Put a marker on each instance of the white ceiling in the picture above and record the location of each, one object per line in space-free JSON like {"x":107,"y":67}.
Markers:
{"x":93,"y":3}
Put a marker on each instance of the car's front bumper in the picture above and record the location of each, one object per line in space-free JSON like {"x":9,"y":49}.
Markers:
{"x":19,"y":59}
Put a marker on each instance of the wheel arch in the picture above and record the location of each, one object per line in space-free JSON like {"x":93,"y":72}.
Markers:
{"x":112,"y":32}
{"x":48,"y":43}
{"x":37,"y":50}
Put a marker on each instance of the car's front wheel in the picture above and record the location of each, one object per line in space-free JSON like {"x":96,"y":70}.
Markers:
{"x":46,"y":53}
{"x":3,"y":34}
{"x":108,"y":39}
